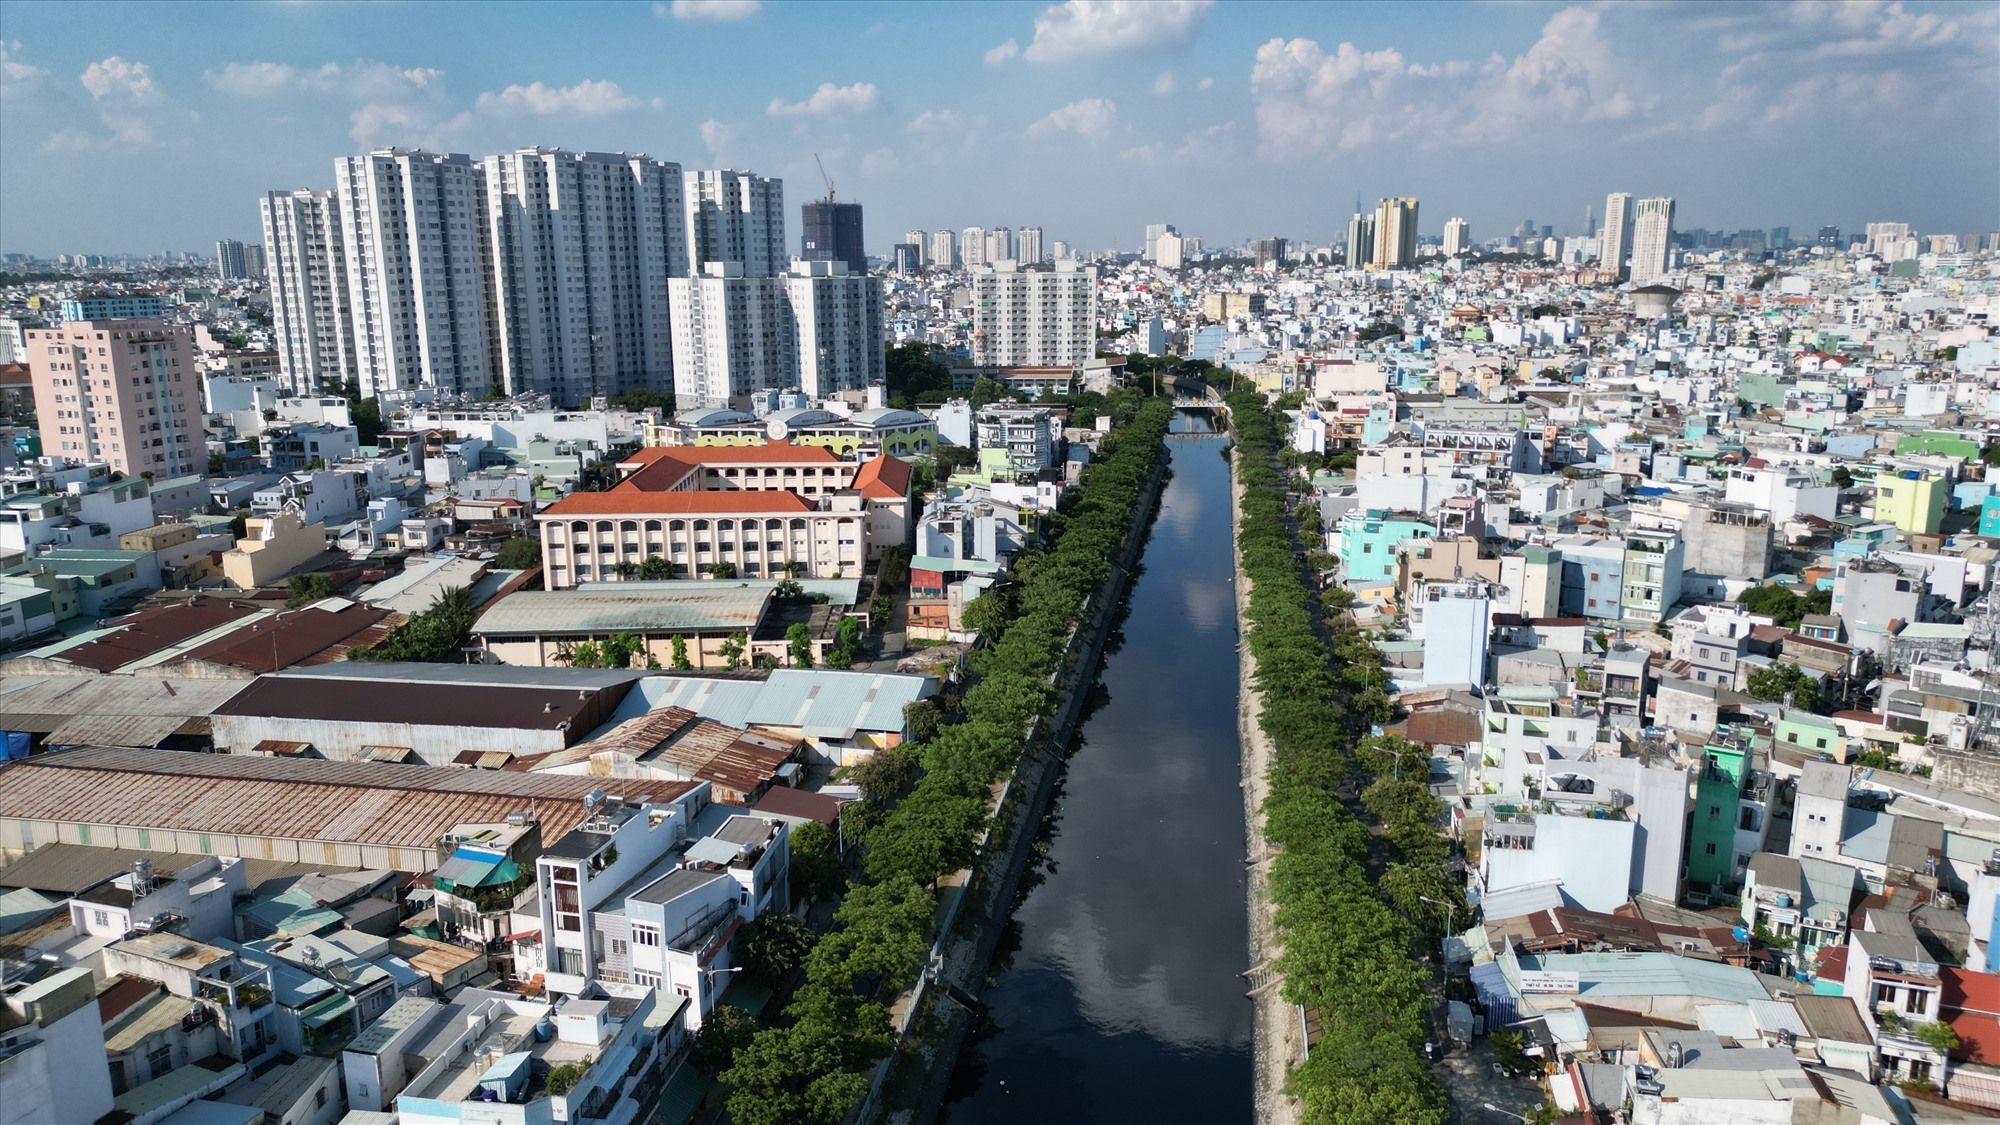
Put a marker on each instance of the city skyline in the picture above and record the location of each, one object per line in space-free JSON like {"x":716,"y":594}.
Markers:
{"x":154,"y":129}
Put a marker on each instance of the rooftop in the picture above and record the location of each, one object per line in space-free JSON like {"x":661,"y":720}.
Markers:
{"x":610,"y":607}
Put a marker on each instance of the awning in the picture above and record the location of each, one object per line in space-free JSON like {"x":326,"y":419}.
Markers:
{"x":708,"y":849}
{"x":464,"y":871}
{"x":682,"y":1097}
{"x":33,"y":722}
{"x":398,"y":754}
{"x":524,"y":935}
{"x":326,"y":1011}
{"x":482,"y":759}
{"x":283,"y":748}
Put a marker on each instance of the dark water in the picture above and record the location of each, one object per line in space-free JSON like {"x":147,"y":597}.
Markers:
{"x":1122,"y":1000}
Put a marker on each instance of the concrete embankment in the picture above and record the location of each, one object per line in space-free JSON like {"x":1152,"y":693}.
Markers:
{"x":1278,"y":1036}
{"x":945,"y":1005}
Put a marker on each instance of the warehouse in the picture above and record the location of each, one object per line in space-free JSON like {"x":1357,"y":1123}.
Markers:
{"x":295,"y":810}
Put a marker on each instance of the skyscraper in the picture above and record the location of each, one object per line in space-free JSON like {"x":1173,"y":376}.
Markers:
{"x":1829,"y":238}
{"x":1457,"y":236}
{"x":906,"y":258}
{"x":944,"y":249}
{"x":413,"y":228}
{"x":832,"y":233}
{"x":1028,"y":245}
{"x":1652,"y":239}
{"x":736,"y":217}
{"x":229,"y":260}
{"x":309,"y":291}
{"x":919,"y":239}
{"x":733,"y":334}
{"x":972,"y":247}
{"x":1360,"y":240}
{"x":1154,"y":233}
{"x":1034,"y":317}
{"x":125,"y":392}
{"x":999,"y":245}
{"x":1395,"y":232}
{"x":1268,"y":253}
{"x":836,"y":328}
{"x":1617,"y":240}
{"x":582,"y":245}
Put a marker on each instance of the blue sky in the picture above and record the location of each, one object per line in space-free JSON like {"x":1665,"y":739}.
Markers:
{"x":152,"y":126}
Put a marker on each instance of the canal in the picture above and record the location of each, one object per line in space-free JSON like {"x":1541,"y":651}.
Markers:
{"x":1120,"y":999}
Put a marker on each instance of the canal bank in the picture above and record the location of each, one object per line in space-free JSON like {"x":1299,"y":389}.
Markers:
{"x":1280,"y":1031}
{"x":1123,"y":999}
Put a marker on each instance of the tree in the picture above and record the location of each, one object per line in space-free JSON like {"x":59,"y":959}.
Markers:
{"x":435,"y":635}
{"x":721,"y":570}
{"x":518,"y":553}
{"x":987,"y":615}
{"x":681,"y":661}
{"x":731,"y":650}
{"x":788,"y":588}
{"x":1841,"y":477}
{"x":799,"y":642}
{"x":640,"y":399}
{"x":625,"y":569}
{"x":1774,"y":683}
{"x":310,"y":588}
{"x":366,"y":414}
{"x":881,"y":609}
{"x":655,"y":568}
{"x":894,"y":569}
{"x":847,"y":643}
{"x":1990,"y":454}
{"x":216,"y":466}
{"x":1783,"y":606}
{"x":929,"y":836}
{"x":987,"y":390}
{"x":772,"y":946}
{"x":807,"y":1074}
{"x":727,"y":1030}
{"x":618,"y":650}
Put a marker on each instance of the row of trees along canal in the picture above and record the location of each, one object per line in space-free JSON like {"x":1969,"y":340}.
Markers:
{"x":1353,"y":907}
{"x":925,"y":805}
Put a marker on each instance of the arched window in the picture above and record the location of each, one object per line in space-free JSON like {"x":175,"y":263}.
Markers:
{"x":652,"y":527}
{"x":725,"y":525}
{"x":677,"y":525}
{"x":579,"y":529}
{"x":701,"y":525}
{"x":629,"y":527}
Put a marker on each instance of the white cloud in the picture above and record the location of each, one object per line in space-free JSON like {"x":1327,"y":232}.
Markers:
{"x":1205,"y":85}
{"x":880,"y":163}
{"x":717,"y":136}
{"x":378,"y":121}
{"x":1083,"y":29}
{"x":714,"y":11}
{"x":1165,"y":83}
{"x":828,"y":100}
{"x":1091,"y":119}
{"x":585,"y":99}
{"x":15,"y":74}
{"x":363,"y":79}
{"x":115,"y":79}
{"x":1005,"y":51}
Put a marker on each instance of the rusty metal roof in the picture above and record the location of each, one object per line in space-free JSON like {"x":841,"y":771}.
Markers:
{"x":288,"y":798}
{"x":153,"y":630}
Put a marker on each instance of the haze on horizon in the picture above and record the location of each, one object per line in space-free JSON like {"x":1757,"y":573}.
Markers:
{"x":142,"y":127}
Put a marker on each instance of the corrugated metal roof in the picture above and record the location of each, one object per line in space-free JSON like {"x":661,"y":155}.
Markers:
{"x":618,"y":606}
{"x":504,"y":675}
{"x":115,"y":695}
{"x":116,"y":730}
{"x":824,"y":703}
{"x":65,"y":869}
{"x":287,"y":798}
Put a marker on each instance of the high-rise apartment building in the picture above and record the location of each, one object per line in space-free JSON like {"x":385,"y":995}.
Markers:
{"x":413,"y":228}
{"x":1360,"y":240}
{"x":582,"y":247}
{"x":972,"y":247}
{"x":836,"y":328}
{"x":229,"y":260}
{"x":832,"y":233}
{"x":1829,"y":238}
{"x":944,"y":250}
{"x":1617,"y":239}
{"x":736,"y":217}
{"x":921,"y":240}
{"x":733,"y":335}
{"x":1170,"y":253}
{"x":254,"y":264}
{"x":1457,"y":236}
{"x":1061,"y":250}
{"x":1268,"y":253}
{"x":309,"y":291}
{"x":906,"y":258}
{"x":1000,"y":245}
{"x":1395,"y":233}
{"x":1028,"y":245}
{"x":1033,"y":317}
{"x":1155,"y":232}
{"x":125,"y":392}
{"x":1652,"y":239}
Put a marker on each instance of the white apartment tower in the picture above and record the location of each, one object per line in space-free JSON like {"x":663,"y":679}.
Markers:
{"x":1652,"y":240}
{"x":309,"y":293}
{"x":732,"y":336}
{"x":944,"y":249}
{"x":999,"y":245}
{"x":583,"y":245}
{"x":1457,"y":236}
{"x":413,"y":232}
{"x":736,"y":217}
{"x":972,"y":247}
{"x":1617,"y":238}
{"x":1395,"y":233}
{"x":1034,"y":317}
{"x":921,"y":240}
{"x":1028,"y":245}
{"x":836,"y":328}
{"x":1154,"y":233}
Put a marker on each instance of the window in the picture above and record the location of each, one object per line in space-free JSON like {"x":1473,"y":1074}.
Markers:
{"x":642,"y":977}
{"x":618,"y":947}
{"x":160,"y":1059}
{"x":645,"y":935}
{"x":1711,"y":849}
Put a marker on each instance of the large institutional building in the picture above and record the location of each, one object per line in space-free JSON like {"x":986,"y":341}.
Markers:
{"x":752,"y":511}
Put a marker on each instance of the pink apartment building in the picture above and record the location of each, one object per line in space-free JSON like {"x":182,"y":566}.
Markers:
{"x":125,"y":392}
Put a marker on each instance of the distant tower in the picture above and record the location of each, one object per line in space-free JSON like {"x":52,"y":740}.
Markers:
{"x":1617,"y":232}
{"x":1395,"y":232}
{"x":1457,"y":236}
{"x":1590,"y":220}
{"x":1652,"y":239}
{"x":832,"y":231}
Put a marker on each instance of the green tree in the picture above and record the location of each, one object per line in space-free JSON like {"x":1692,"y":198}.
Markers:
{"x":625,"y":569}
{"x":726,"y":1031}
{"x":788,"y":588}
{"x":1772,"y":684}
{"x":773,"y":945}
{"x":641,"y":398}
{"x":1990,"y":453}
{"x":893,"y":572}
{"x":436,"y":635}
{"x":846,"y":648}
{"x":1841,"y":477}
{"x":721,"y":570}
{"x":518,"y":553}
{"x":366,"y":414}
{"x":310,"y":588}
{"x":987,"y":390}
{"x":655,"y":568}
{"x":881,"y":610}
{"x":681,"y":661}
{"x":987,"y":615}
{"x":929,"y":836}
{"x":618,"y":650}
{"x":799,"y":642}
{"x":731,"y":650}
{"x":1780,"y":604}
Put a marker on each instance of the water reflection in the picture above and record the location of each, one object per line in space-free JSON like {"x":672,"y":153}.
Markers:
{"x":1122,"y":1001}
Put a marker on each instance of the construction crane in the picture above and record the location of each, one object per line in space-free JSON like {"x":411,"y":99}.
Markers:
{"x":824,"y":176}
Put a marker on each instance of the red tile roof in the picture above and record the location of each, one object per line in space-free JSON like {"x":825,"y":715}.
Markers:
{"x":1971,"y":1005}
{"x":884,"y":478}
{"x":663,"y":466}
{"x":634,"y":501}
